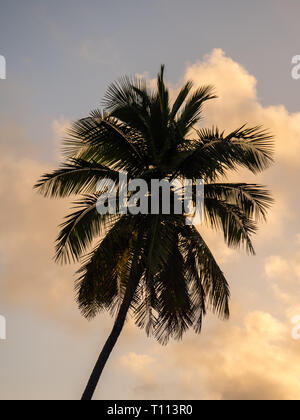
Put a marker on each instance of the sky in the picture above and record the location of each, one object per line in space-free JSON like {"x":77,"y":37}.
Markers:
{"x":61,"y":56}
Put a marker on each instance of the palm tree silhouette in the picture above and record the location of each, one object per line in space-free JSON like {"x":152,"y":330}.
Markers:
{"x":156,"y":267}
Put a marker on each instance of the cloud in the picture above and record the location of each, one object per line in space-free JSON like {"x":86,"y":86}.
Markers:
{"x":251,"y":356}
{"x":258,"y":360}
{"x":283,"y":273}
{"x":238,"y":102}
{"x":28,"y":226}
{"x":277,"y":266}
{"x":140,"y":364}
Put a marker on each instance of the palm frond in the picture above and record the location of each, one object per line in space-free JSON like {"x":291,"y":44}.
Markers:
{"x":103,"y":139}
{"x":213,"y":154}
{"x":213,"y":281}
{"x":192,"y":109}
{"x":253,"y":199}
{"x":76,"y":176}
{"x":103,"y":277}
{"x":123,"y":93}
{"x":163,"y":95}
{"x":236,"y":226}
{"x":174,"y":305}
{"x":81,"y":228}
{"x":181,"y":97}
{"x":161,"y":232}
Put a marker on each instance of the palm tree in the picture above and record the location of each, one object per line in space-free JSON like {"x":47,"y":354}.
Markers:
{"x":156,"y":267}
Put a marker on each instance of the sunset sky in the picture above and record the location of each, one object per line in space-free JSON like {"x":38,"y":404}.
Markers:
{"x":61,"y":56}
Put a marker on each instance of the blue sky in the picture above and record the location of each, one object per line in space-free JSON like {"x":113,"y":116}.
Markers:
{"x":62,"y":54}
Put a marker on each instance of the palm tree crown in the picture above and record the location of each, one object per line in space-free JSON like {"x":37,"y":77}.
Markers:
{"x":158,"y":263}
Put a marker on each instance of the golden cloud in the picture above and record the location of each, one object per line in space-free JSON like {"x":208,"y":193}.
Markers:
{"x":252,"y":356}
{"x":258,"y":360}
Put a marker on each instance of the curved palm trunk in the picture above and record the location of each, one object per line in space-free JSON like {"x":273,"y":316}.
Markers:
{"x":110,"y":343}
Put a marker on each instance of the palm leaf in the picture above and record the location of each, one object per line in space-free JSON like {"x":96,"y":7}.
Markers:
{"x":81,"y":228}
{"x":191,"y":111}
{"x":236,"y":226}
{"x":253,"y":199}
{"x":102,"y":278}
{"x":76,"y":176}
{"x":213,"y":281}
{"x":182,"y":95}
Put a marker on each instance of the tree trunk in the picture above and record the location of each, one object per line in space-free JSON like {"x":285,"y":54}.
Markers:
{"x":110,"y":343}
